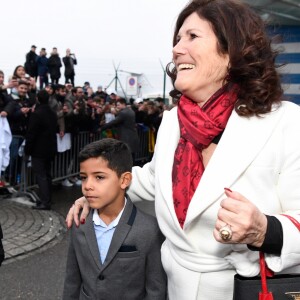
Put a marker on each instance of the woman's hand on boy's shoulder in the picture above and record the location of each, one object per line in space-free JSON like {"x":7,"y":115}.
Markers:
{"x":73,"y":214}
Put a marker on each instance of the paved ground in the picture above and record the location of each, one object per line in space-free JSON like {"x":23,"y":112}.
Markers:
{"x":35,"y":269}
{"x":26,"y":230}
{"x":36,"y":245}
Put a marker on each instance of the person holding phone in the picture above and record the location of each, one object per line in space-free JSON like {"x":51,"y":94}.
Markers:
{"x":69,"y":61}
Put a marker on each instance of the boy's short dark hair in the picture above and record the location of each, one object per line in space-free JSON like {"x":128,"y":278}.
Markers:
{"x":115,"y":152}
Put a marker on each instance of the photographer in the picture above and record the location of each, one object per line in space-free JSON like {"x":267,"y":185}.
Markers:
{"x":19,"y":74}
{"x":82,"y":120}
{"x":18,"y":110}
{"x":69,"y":61}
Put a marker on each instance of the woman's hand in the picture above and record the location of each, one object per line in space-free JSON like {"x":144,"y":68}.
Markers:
{"x":73,"y":213}
{"x":247,"y":223}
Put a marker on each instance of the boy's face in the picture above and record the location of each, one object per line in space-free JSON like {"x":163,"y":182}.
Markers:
{"x":102,"y":187}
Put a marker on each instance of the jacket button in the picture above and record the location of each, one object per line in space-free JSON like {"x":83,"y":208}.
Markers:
{"x":101,"y":277}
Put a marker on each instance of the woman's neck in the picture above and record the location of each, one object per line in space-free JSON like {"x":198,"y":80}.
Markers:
{"x":202,"y":96}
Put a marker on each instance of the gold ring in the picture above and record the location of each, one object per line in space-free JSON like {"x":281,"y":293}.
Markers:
{"x":225,"y":233}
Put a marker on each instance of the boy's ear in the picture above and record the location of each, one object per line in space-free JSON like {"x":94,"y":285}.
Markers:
{"x":126,"y":180}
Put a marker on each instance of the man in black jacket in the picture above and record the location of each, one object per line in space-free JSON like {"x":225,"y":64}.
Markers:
{"x":70,"y":61}
{"x":30,"y":63}
{"x":54,"y":65}
{"x":41,"y":145}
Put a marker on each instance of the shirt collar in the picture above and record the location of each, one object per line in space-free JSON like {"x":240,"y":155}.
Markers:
{"x":98,"y":221}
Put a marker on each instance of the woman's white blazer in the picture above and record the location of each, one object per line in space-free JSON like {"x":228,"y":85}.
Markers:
{"x":258,"y":157}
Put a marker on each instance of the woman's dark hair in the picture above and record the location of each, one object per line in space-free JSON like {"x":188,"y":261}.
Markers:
{"x":241,"y":34}
{"x":15,"y":71}
{"x":115,"y":152}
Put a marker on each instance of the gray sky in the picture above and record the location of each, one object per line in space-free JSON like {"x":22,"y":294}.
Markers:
{"x":135,"y":33}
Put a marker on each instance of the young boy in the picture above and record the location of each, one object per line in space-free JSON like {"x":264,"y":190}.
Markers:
{"x":116,"y":253}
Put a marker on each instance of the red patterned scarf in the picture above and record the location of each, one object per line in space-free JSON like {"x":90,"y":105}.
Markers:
{"x":198,"y":127}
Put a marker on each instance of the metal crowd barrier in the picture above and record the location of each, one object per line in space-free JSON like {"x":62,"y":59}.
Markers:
{"x":65,"y":164}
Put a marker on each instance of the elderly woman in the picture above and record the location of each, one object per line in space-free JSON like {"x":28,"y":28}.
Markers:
{"x":227,"y":158}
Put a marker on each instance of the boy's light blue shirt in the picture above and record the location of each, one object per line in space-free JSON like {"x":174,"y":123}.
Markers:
{"x":104,"y":233}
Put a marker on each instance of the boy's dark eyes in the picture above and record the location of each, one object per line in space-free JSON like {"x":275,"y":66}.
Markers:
{"x":193,"y":36}
{"x":98,"y":177}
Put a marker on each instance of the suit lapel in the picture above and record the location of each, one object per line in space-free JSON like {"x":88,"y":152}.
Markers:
{"x":240,"y":144}
{"x":121,"y":231}
{"x":91,"y":240}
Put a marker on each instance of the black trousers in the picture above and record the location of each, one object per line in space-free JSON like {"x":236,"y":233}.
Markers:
{"x":54,"y":80}
{"x":42,"y":170}
{"x":43,"y":81}
{"x":69,"y":79}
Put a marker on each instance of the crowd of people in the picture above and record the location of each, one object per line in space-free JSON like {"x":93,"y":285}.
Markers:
{"x":78,"y":108}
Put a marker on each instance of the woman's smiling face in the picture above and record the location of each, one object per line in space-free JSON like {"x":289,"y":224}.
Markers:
{"x":201,"y":69}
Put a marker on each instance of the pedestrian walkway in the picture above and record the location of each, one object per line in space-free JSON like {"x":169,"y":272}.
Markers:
{"x":26,"y":230}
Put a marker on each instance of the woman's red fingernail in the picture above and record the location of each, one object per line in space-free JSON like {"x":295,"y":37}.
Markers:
{"x":227,"y":189}
{"x":82,"y":221}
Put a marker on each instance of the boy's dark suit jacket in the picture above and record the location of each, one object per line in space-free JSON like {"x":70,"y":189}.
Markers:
{"x":132,"y":269}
